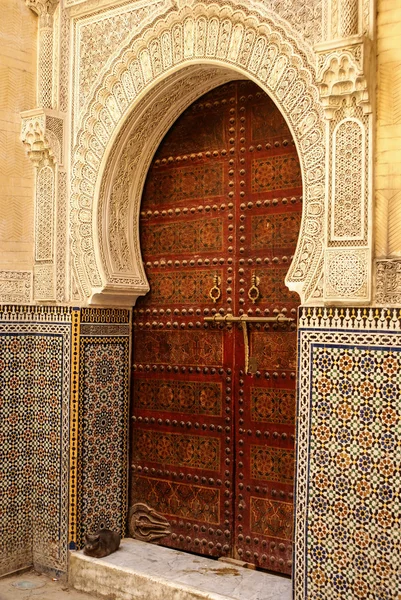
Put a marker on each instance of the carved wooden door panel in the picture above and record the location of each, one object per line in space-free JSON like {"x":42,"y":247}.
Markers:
{"x":212,"y":441}
{"x":268,"y":221}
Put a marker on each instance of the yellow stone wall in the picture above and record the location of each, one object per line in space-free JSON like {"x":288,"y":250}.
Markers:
{"x":388,"y":129}
{"x":18,"y":32}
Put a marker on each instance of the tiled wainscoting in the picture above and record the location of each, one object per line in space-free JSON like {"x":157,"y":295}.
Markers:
{"x":64,"y":393}
{"x":63,"y":430}
{"x":348,"y":487}
{"x":35,"y":359}
{"x":103,"y":422}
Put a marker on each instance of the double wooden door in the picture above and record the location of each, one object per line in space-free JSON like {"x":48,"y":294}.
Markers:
{"x":213,"y":396}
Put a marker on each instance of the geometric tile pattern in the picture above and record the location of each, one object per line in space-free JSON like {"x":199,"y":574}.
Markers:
{"x":349,"y":454}
{"x":103,"y":430}
{"x":34,"y":438}
{"x":38,"y":380}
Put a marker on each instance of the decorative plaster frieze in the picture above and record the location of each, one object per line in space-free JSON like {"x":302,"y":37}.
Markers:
{"x":113,"y":27}
{"x":346,"y":79}
{"x":48,"y":50}
{"x":345,"y":18}
{"x":388,"y":281}
{"x":15,"y":287}
{"x":344,"y":71}
{"x":44,"y":282}
{"x":304,"y":17}
{"x":42,"y":133}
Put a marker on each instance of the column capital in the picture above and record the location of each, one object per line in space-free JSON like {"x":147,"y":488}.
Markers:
{"x":344,"y":72}
{"x":42,"y":135}
{"x":44,"y":9}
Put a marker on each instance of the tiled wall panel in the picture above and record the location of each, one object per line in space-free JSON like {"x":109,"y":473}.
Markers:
{"x":34,"y":430}
{"x":102,"y":421}
{"x":349,"y":453}
{"x":63,"y":430}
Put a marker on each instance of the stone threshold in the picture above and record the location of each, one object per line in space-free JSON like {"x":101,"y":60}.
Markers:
{"x":141,"y":571}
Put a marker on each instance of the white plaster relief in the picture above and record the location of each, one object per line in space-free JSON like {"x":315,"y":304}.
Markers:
{"x":44,"y":217}
{"x":342,"y":73}
{"x":348,"y":181}
{"x":43,"y":282}
{"x":272,"y":51}
{"x":112,"y":28}
{"x":388,"y":282}
{"x":15,"y":287}
{"x":147,"y":132}
{"x":347,"y":274}
{"x":47,"y":50}
{"x":42,"y":133}
{"x":345,"y":76}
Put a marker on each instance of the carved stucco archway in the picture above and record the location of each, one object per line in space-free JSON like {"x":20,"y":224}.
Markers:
{"x":173,"y":62}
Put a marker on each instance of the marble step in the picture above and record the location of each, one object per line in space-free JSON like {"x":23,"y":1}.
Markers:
{"x":141,"y":571}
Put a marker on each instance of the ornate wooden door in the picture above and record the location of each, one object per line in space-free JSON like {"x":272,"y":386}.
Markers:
{"x":213,"y":409}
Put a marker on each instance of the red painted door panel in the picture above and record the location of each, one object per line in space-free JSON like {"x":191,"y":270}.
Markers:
{"x":212,"y":447}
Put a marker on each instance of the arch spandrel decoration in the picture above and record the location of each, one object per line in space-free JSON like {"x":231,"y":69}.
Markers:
{"x":184,"y":54}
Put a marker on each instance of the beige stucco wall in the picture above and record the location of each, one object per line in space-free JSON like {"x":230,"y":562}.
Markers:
{"x":388,"y":130}
{"x":18,"y":31}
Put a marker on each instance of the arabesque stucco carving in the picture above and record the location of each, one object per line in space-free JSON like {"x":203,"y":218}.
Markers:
{"x":203,"y":39}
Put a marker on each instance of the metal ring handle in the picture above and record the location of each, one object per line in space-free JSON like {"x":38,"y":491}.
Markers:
{"x":254,"y":292}
{"x":215,"y":291}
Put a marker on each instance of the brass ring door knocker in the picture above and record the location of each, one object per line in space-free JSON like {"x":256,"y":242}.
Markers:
{"x":254,"y":292}
{"x":215,"y":291}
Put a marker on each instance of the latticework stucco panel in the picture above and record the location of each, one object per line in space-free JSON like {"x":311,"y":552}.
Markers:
{"x":347,"y":274}
{"x":115,"y":27}
{"x":264,"y":52}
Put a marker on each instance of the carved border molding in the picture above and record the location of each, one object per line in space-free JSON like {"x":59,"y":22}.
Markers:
{"x":219,"y":37}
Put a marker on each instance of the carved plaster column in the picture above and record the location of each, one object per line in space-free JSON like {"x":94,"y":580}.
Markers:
{"x":346,"y":76}
{"x":45,"y":9}
{"x":42,"y":133}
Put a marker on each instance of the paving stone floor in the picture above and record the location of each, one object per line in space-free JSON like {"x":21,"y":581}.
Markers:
{"x":48,"y":590}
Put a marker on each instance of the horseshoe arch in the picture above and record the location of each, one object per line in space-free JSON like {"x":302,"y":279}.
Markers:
{"x":171,"y":63}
